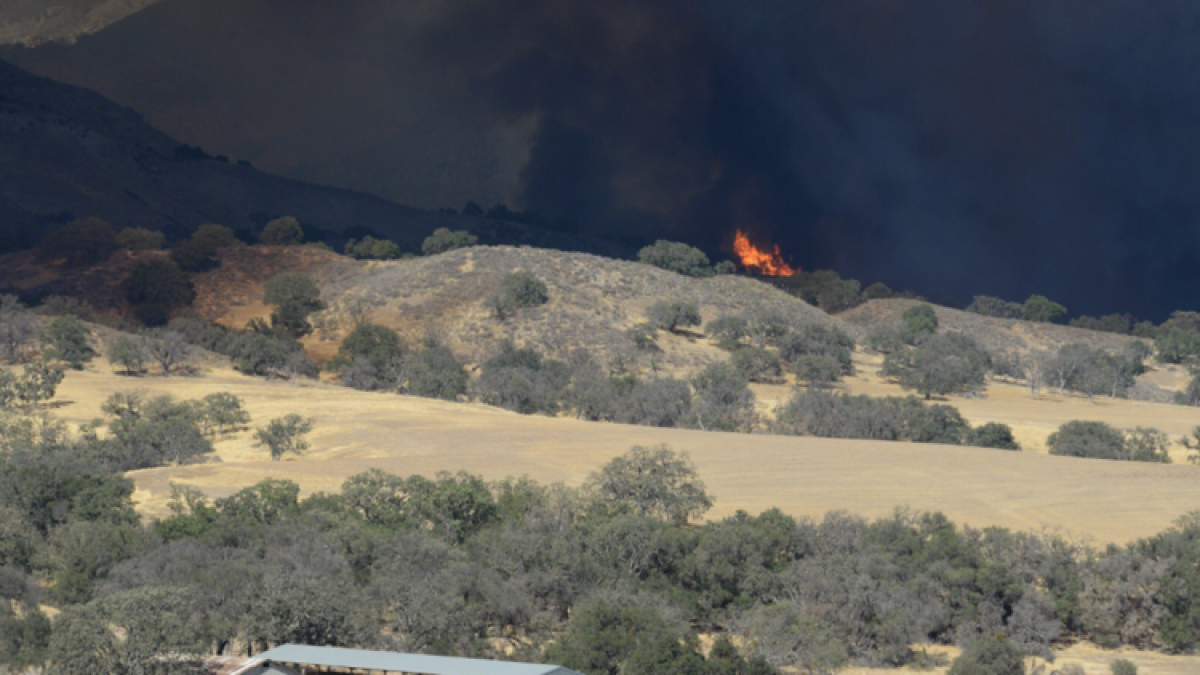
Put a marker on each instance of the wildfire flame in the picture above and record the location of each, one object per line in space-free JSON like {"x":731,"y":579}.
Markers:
{"x":758,"y":261}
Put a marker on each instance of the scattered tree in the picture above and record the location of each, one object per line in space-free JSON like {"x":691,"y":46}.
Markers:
{"x":654,"y":482}
{"x":283,"y":435}
{"x":69,"y":340}
{"x":128,"y":352}
{"x":169,"y":349}
{"x":294,"y":297}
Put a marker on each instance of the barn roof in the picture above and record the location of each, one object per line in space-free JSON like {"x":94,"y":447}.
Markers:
{"x":420,"y":664}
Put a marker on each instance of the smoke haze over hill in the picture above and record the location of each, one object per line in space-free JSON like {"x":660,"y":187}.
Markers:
{"x":996,"y":146}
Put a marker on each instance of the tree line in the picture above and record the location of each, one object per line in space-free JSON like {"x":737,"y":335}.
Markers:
{"x":614,"y":576}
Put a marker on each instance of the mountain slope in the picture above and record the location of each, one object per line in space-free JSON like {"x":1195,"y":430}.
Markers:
{"x":33,"y":22}
{"x":67,"y":152}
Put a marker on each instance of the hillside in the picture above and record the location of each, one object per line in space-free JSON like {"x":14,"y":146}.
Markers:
{"x":997,"y":335}
{"x":593,"y":300}
{"x":33,"y":22}
{"x":67,"y":152}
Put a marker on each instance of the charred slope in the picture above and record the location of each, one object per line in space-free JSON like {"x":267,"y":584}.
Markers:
{"x":67,"y":152}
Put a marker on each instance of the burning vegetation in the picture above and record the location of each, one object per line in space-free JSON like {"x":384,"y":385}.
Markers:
{"x":758,"y":261}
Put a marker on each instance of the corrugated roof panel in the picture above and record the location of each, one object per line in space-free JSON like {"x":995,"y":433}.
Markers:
{"x":339,"y":657}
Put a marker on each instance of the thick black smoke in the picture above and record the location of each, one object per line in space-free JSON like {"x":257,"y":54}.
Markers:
{"x":995,"y":146}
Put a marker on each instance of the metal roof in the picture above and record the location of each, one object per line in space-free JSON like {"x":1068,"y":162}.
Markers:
{"x":339,"y":657}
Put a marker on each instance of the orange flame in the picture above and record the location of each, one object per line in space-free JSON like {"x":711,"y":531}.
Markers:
{"x":758,"y":261}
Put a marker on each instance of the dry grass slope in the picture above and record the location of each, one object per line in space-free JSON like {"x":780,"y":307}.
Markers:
{"x":593,"y":300}
{"x":1000,"y":335}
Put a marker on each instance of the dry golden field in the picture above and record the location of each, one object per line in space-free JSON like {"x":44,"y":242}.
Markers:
{"x":1089,"y":499}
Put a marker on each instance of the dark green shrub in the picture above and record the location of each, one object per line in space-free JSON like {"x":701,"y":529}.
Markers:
{"x":677,"y":257}
{"x":141,"y":239}
{"x":69,"y":340}
{"x":989,"y":656}
{"x":993,"y":435}
{"x":758,"y":365}
{"x":1123,"y":667}
{"x":728,"y":331}
{"x":672,"y":316}
{"x":940,"y":364}
{"x":378,"y":346}
{"x":433,"y":372}
{"x":524,"y":381}
{"x":285,"y":231}
{"x":155,"y":289}
{"x":1041,"y":309}
{"x":444,"y":239}
{"x":877,"y":291}
{"x":818,"y":340}
{"x":85,"y":241}
{"x":839,"y":295}
{"x":989,"y":306}
{"x":918,"y":321}
{"x":191,"y":256}
{"x":722,"y":401}
{"x":1097,"y":440}
{"x":1177,"y":346}
{"x":264,"y":355}
{"x":212,"y":238}
{"x":518,"y":290}
{"x":371,"y":248}
{"x":816,"y":371}
{"x":294,"y":297}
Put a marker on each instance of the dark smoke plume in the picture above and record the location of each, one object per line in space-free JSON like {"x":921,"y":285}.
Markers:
{"x":993,"y":146}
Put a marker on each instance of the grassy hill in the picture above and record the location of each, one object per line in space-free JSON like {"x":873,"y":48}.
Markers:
{"x":593,"y":300}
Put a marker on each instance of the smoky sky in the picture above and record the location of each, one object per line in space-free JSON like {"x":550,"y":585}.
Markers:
{"x":952,"y":147}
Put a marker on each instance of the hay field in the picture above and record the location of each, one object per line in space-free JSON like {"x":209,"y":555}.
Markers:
{"x":1097,"y":500}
